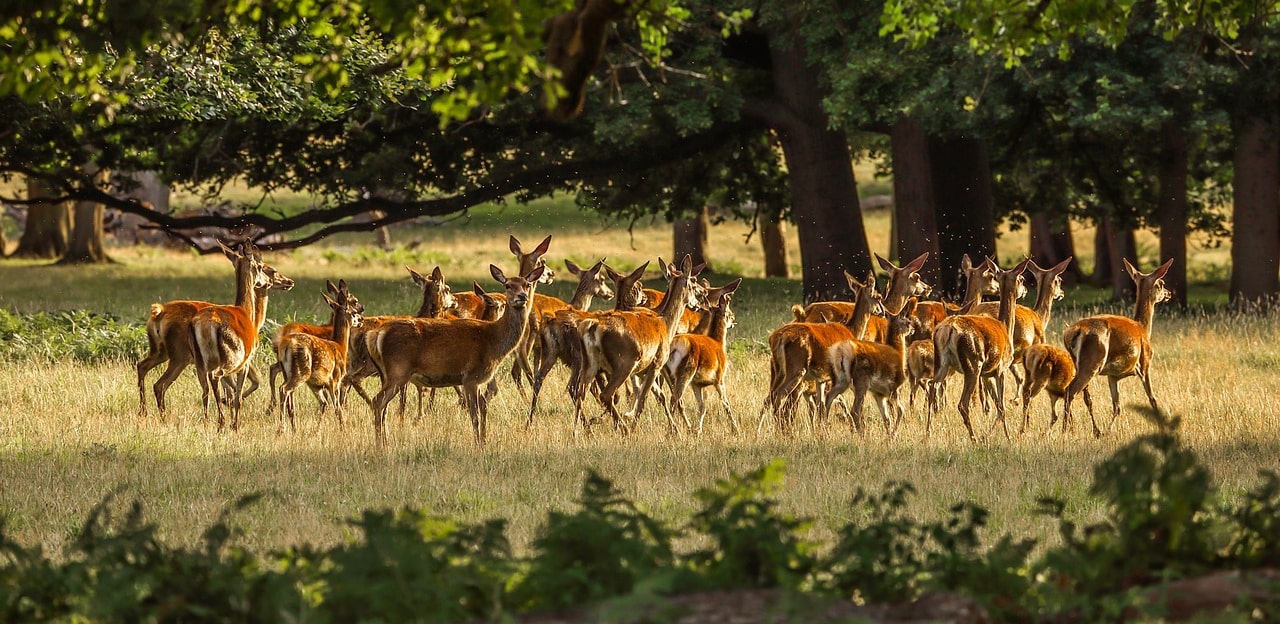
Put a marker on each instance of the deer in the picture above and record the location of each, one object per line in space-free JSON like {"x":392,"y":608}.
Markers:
{"x":979,"y":281}
{"x":693,"y":320}
{"x":1029,"y":323}
{"x":437,"y":301}
{"x":980,"y":347}
{"x":224,"y":338}
{"x":799,"y":352}
{"x":320,"y":363}
{"x":699,"y":360}
{"x":451,"y":352}
{"x":904,"y":282}
{"x":557,"y":335}
{"x":1116,"y":347}
{"x":875,"y":367}
{"x":624,"y":344}
{"x":1046,"y":367}
{"x":169,"y":324}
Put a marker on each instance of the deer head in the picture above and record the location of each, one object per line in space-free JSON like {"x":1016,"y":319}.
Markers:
{"x":534,"y":259}
{"x":596,"y":280}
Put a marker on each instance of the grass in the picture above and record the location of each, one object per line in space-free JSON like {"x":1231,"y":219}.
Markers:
{"x":70,"y":433}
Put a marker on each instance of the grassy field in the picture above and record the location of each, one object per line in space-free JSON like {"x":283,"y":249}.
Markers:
{"x":70,"y":432}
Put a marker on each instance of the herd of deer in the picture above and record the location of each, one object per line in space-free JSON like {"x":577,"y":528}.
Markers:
{"x":677,"y":335}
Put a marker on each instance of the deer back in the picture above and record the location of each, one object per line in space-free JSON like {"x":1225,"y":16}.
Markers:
{"x":1052,"y":364}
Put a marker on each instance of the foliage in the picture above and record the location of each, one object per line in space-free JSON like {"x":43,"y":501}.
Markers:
{"x":73,"y":334}
{"x":1161,"y":524}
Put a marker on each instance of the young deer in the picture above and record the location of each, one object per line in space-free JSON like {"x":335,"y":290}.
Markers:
{"x":169,"y":325}
{"x":623,"y":344}
{"x":879,"y":368}
{"x":1116,"y":347}
{"x":979,"y":280}
{"x":693,"y":316}
{"x":1045,"y":366}
{"x":903,"y":282}
{"x":437,"y":301}
{"x":557,"y":335}
{"x":450,"y":352}
{"x":320,"y":363}
{"x":224,"y":338}
{"x":799,"y":352}
{"x":702,"y":360}
{"x":1029,"y":323}
{"x":980,"y":347}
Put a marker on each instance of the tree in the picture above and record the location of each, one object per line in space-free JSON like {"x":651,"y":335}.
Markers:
{"x":48,"y":230}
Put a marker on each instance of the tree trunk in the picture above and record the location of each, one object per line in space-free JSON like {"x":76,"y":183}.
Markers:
{"x":1101,"y":277}
{"x":1172,"y":210}
{"x":1051,"y":243}
{"x":773,"y":239}
{"x":1122,"y":243}
{"x":915,"y":216}
{"x":48,"y":226}
{"x":690,"y":237}
{"x":1255,"y":237}
{"x":824,"y":195}
{"x":966,"y":210}
{"x":86,"y":229}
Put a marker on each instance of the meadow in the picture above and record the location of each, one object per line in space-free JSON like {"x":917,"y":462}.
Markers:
{"x":70,"y":432}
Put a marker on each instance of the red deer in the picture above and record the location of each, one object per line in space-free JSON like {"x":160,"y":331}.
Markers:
{"x":169,"y":324}
{"x":692,"y":317}
{"x":1029,"y":323}
{"x":1116,"y":347}
{"x":1047,"y":367}
{"x":875,"y":367}
{"x":903,"y":283}
{"x":624,"y":344}
{"x":223,"y":339}
{"x":699,"y":360}
{"x":979,"y":280}
{"x":320,"y":363}
{"x":799,"y":353}
{"x":980,"y":347}
{"x":450,"y":352}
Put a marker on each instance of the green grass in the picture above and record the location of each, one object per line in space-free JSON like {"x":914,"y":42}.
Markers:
{"x":70,"y":432}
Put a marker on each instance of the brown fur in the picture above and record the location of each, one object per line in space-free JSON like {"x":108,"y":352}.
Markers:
{"x":875,"y":367}
{"x":1049,"y":368}
{"x":1115,"y":346}
{"x":450,"y":352}
{"x":1029,"y":323}
{"x":700,"y":360}
{"x":629,"y":343}
{"x":319,"y":362}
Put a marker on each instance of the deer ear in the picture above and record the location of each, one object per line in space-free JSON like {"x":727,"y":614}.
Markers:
{"x":437,"y":275}
{"x":536,"y":274}
{"x":884,"y":264}
{"x":965,"y":262}
{"x":514,"y":245}
{"x":636,"y":274}
{"x":572,"y":266}
{"x":342,"y":285}
{"x":477,"y":289}
{"x":328,"y":284}
{"x":331,"y":302}
{"x":232,"y":253}
{"x":686,"y":265}
{"x":595,"y":268}
{"x":698,"y":269}
{"x":613,"y":275}
{"x":1022,"y":266}
{"x":731,"y":287}
{"x":1129,"y":268}
{"x":416,"y":276}
{"x":1061,"y":266}
{"x":664,"y":267}
{"x":542,"y":247}
{"x":915,"y":265}
{"x":497,"y":273}
{"x":854,"y":284}
{"x":1164,"y":268}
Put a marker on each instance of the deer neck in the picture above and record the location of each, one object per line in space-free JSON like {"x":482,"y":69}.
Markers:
{"x":430,"y":307}
{"x":861,"y":315}
{"x":1008,"y":302}
{"x":341,"y":331}
{"x":1144,"y":309}
{"x":672,"y":306}
{"x":719,"y":324}
{"x":259,"y":308}
{"x":582,"y":296}
{"x":244,"y":286}
{"x":972,"y":291}
{"x":511,"y":325}
{"x":1044,"y":301}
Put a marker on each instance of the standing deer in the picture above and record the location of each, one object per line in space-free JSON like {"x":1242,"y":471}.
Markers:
{"x":875,"y":367}
{"x":623,"y":344}
{"x":1045,"y":366}
{"x":1116,"y":347}
{"x":980,"y":347}
{"x":979,"y":280}
{"x":450,"y":352}
{"x":169,"y":325}
{"x":702,"y":360}
{"x":557,"y":335}
{"x":320,"y":363}
{"x":1029,"y":323}
{"x":903,"y":282}
{"x":693,"y":314}
{"x":223,"y":338}
{"x":799,"y":352}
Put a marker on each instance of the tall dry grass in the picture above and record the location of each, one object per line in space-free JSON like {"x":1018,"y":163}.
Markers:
{"x":70,"y":433}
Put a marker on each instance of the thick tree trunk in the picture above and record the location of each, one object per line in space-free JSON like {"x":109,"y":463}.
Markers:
{"x":773,"y":239}
{"x":961,"y":176}
{"x":48,"y":228}
{"x":1122,"y":243}
{"x":824,"y":195}
{"x":86,"y":245}
{"x":690,"y":237}
{"x":1172,"y":210}
{"x":1101,"y":277}
{"x":1255,"y":238}
{"x":1051,"y":243}
{"x":915,"y":216}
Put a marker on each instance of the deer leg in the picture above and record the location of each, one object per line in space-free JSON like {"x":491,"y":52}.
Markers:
{"x":275,"y":370}
{"x":1146,"y":385}
{"x":545,"y":364}
{"x":966,"y":400}
{"x":1031,"y":387}
{"x":724,"y":402}
{"x":156,"y":357}
{"x":249,"y":375}
{"x":1114,"y":384}
{"x":856,"y":421}
{"x":646,"y":386}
